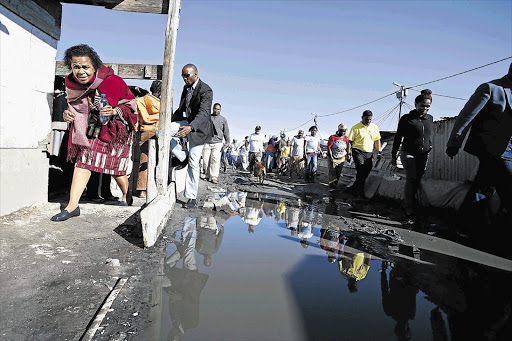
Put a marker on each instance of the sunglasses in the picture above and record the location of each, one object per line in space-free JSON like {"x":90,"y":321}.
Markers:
{"x":185,"y":75}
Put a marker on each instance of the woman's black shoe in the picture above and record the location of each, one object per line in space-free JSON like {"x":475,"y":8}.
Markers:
{"x":65,"y":215}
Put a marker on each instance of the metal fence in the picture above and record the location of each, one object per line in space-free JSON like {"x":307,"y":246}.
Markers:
{"x":440,"y":167}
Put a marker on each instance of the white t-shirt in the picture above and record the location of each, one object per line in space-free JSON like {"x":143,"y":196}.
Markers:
{"x":305,"y":231}
{"x":256,"y":143}
{"x":298,"y":146}
{"x":234,"y":148}
{"x":312,"y":143}
{"x":253,"y":216}
{"x":243,"y":151}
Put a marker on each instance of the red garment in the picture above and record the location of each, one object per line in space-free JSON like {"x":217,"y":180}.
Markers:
{"x":117,"y":132}
{"x":99,"y":158}
{"x":334,"y":138}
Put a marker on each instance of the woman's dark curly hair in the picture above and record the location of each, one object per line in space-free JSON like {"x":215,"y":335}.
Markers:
{"x":82,"y":50}
{"x":425,"y":94}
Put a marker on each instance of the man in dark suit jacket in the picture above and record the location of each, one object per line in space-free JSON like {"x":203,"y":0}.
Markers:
{"x":489,"y":114}
{"x":195,"y":108}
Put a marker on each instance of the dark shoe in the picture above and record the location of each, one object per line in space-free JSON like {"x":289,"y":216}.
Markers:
{"x":110,"y":198}
{"x":65,"y":215}
{"x":192,"y":203}
{"x":128,"y":202}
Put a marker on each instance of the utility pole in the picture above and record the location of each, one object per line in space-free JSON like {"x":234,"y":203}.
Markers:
{"x":400,"y":95}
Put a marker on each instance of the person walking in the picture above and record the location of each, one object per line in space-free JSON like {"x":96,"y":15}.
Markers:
{"x":414,"y":134}
{"x":297,"y":155}
{"x":195,"y":106}
{"x":284,"y":157}
{"x":279,"y":146}
{"x":255,"y":147}
{"x":90,"y":83}
{"x":489,"y":114}
{"x":311,"y":151}
{"x":234,"y":147}
{"x":270,"y":153}
{"x":336,"y":152}
{"x":212,"y":150}
{"x":363,"y":137}
{"x":244,"y":153}
{"x":148,"y":108}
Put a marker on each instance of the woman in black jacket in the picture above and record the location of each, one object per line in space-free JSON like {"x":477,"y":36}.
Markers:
{"x":415,"y":128}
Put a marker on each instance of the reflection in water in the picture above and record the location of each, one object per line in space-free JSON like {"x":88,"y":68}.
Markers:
{"x":398,"y":300}
{"x":353,"y":264}
{"x":252,"y":214}
{"x":458,"y":300}
{"x":184,"y":285}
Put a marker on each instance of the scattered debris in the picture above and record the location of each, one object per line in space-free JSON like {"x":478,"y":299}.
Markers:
{"x":113,"y":262}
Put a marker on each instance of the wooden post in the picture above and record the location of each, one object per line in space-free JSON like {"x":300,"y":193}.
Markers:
{"x":155,"y":215}
{"x":164,"y":139}
{"x":151,"y":190}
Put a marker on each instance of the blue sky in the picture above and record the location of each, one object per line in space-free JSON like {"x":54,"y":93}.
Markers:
{"x":273,"y":63}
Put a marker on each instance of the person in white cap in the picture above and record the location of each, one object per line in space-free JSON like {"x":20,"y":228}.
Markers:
{"x":297,"y":155}
{"x":337,"y":151}
{"x":255,"y":147}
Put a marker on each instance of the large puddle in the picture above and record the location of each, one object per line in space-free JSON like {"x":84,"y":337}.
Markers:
{"x":289,"y":271}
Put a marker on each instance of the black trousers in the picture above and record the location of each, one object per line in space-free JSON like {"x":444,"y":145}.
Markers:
{"x":364,"y":164}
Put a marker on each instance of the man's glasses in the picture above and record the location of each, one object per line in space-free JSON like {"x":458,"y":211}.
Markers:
{"x":185,"y":75}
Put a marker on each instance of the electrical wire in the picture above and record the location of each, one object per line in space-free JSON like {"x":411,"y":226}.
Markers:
{"x":458,"y":74}
{"x":312,"y":118}
{"x":383,"y":117}
{"x":359,"y":106}
{"x":434,"y":94}
{"x":388,"y":113}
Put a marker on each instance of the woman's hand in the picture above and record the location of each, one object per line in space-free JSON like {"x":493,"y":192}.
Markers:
{"x":107,"y":111}
{"x":68,"y":116}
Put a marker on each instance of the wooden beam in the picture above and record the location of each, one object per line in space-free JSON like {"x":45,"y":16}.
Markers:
{"x":164,"y":126}
{"x":155,"y":215}
{"x":125,"y":71}
{"x":143,"y":6}
{"x":46,"y":15}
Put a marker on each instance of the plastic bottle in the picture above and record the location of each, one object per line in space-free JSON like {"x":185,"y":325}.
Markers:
{"x":103,"y":103}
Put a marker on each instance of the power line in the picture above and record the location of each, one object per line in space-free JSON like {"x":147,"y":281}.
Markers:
{"x":458,"y":74}
{"x":434,"y":94}
{"x":410,"y":87}
{"x":383,"y":117}
{"x":301,"y":124}
{"x":359,"y":106}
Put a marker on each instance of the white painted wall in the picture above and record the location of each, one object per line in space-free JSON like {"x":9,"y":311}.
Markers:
{"x":27,"y":72}
{"x":27,"y":68}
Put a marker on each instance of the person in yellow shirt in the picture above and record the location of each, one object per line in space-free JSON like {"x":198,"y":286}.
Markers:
{"x":362,"y":138}
{"x":285,"y":156}
{"x":148,"y":108}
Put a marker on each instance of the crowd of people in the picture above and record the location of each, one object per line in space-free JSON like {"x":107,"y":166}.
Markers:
{"x":105,"y":119}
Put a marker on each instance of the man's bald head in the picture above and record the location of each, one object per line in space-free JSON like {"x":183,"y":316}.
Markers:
{"x":189,"y":74}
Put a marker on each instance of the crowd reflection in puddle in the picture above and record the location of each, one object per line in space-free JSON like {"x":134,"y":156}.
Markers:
{"x":465,"y":300}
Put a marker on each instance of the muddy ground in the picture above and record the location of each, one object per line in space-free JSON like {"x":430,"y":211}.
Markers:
{"x":56,"y":276}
